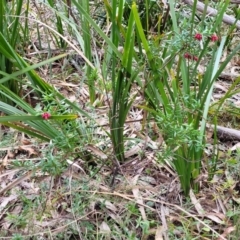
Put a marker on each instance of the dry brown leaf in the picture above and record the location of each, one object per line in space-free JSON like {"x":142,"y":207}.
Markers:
{"x":108,"y":205}
{"x":10,"y":153}
{"x":50,"y":223}
{"x":30,"y":150}
{"x":164,"y":212}
{"x":9,"y":173}
{"x":226,"y":232}
{"x":235,"y":147}
{"x":138,"y":198}
{"x":220,"y":86}
{"x":5,"y":200}
{"x":16,"y":182}
{"x":104,"y":228}
{"x":221,"y":205}
{"x":96,"y":151}
{"x":75,"y":165}
{"x":196,"y":203}
{"x":201,"y":211}
{"x":219,"y":215}
{"x":5,"y":159}
{"x":214,"y":218}
{"x":147,"y":180}
{"x":116,"y":218}
{"x":237,"y":200}
{"x":134,"y":150}
{"x":209,"y":133}
{"x":26,"y":141}
{"x":4,"y":162}
{"x":72,"y":97}
{"x":159,"y":233}
{"x":30,"y":187}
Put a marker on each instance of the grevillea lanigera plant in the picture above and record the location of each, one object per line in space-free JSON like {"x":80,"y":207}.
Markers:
{"x":178,"y":95}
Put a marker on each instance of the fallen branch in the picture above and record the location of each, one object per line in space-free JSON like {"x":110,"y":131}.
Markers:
{"x":227,"y":133}
{"x":213,"y":12}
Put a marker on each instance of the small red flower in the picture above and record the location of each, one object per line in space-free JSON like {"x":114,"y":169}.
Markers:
{"x":214,"y":38}
{"x":195,"y":58}
{"x":191,"y":57}
{"x":198,"y":36}
{"x":46,"y":115}
{"x":187,"y":56}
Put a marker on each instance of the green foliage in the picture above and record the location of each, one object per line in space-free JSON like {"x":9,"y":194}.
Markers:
{"x":121,"y":81}
{"x":144,"y":224}
{"x":10,"y":29}
{"x":164,"y":68}
{"x":87,"y":49}
{"x":54,"y":165}
{"x":59,"y":24}
{"x":17,"y":236}
{"x":17,"y":220}
{"x":178,"y":96}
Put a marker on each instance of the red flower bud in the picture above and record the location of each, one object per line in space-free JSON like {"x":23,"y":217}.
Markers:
{"x":214,"y":38}
{"x":198,"y":36}
{"x":187,"y":56}
{"x":195,"y":58}
{"x":191,"y":57}
{"x":46,"y":115}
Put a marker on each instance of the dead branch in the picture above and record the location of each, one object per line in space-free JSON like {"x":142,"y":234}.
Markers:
{"x":227,"y":133}
{"x":213,"y":12}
